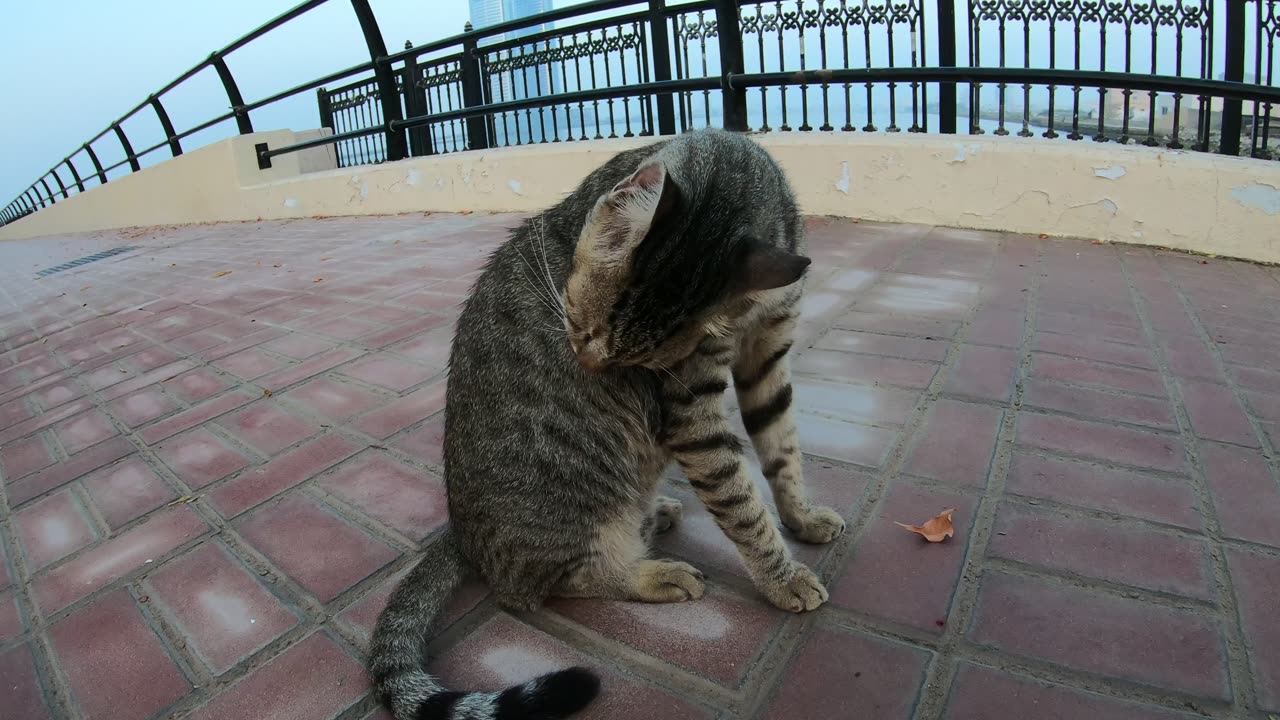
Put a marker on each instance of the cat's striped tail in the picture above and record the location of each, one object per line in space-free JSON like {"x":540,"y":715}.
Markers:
{"x":397,"y":656}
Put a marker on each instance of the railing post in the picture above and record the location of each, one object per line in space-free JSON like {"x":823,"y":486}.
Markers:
{"x":102,"y":176}
{"x":48,"y":193}
{"x":415,"y":103}
{"x":175,"y":147}
{"x":128,"y":149}
{"x":946,"y":25}
{"x":730,"y":36}
{"x":473,"y":93}
{"x":233,"y":94}
{"x":397,"y":148}
{"x":1233,"y":72}
{"x":661,"y":44}
{"x":32,"y":203}
{"x":75,"y":175}
{"x":325,"y":107}
{"x":61,"y":188}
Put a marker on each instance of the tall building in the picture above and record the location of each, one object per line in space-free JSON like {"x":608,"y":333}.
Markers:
{"x":516,"y":84}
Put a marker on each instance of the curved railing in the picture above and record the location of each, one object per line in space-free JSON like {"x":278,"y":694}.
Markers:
{"x":1201,"y":75}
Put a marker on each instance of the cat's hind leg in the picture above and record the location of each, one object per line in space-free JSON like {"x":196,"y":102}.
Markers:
{"x":665,"y":516}
{"x":617,"y":566}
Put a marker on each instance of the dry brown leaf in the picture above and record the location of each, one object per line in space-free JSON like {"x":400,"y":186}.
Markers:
{"x":465,"y":212}
{"x":1097,"y":242}
{"x":937,"y":529}
{"x":266,"y":393}
{"x":318,"y":280}
{"x":325,"y":258}
{"x":1044,"y":236}
{"x":220,"y":273}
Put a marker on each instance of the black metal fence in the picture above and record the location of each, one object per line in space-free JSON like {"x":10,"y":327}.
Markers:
{"x":1201,"y":75}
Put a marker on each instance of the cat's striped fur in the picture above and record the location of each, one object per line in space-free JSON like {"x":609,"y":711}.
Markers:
{"x":595,"y":348}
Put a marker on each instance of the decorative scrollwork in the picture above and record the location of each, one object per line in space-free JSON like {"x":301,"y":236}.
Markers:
{"x":699,"y":29}
{"x":590,"y":47}
{"x":1193,"y":18}
{"x":441,"y":76}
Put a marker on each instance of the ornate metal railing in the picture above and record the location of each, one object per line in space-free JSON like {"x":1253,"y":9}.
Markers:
{"x":1194,"y":74}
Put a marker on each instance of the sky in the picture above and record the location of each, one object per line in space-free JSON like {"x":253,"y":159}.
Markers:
{"x":70,"y":68}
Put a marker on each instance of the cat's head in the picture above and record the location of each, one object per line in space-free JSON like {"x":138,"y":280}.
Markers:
{"x":656,"y":271}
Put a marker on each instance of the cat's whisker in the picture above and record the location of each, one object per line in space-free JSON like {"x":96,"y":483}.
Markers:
{"x":667,"y":370}
{"x":541,"y":295}
{"x":551,"y":286}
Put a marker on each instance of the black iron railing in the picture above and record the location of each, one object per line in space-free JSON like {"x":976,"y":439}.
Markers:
{"x":1200,"y":75}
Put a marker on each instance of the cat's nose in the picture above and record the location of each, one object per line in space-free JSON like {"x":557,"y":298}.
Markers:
{"x":591,"y":362}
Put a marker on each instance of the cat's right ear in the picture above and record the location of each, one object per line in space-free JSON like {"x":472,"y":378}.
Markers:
{"x":623,"y":216}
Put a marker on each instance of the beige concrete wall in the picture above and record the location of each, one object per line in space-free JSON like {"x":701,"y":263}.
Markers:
{"x":324,"y":157}
{"x":1102,"y":191}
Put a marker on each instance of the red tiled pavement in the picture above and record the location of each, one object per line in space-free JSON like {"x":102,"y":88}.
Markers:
{"x":210,"y":485}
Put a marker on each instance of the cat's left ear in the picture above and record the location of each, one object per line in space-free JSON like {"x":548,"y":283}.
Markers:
{"x":767,"y":267}
{"x":622,"y":217}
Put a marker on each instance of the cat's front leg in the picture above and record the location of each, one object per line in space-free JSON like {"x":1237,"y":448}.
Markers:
{"x":762,"y":380}
{"x":700,"y":438}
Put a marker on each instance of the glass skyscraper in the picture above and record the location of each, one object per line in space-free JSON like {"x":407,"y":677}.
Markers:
{"x":511,"y":86}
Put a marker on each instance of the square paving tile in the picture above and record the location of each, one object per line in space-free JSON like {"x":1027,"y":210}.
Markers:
{"x":333,"y":400}
{"x":267,"y":427}
{"x":718,"y":637}
{"x":126,"y":491}
{"x":288,"y":533}
{"x":410,"y":501}
{"x":220,"y":606}
{"x":200,"y":457}
{"x":53,"y":528}
{"x":841,"y":673}
{"x":116,"y":664}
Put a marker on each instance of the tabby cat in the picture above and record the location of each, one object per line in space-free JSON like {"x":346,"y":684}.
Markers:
{"x":596,"y":347}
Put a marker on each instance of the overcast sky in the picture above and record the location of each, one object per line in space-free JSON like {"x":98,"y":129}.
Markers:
{"x":71,"y":67}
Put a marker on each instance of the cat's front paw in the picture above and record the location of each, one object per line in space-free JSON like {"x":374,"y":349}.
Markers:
{"x":798,"y":590}
{"x":820,"y":525}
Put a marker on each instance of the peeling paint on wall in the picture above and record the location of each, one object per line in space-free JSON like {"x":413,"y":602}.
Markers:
{"x":413,"y":178}
{"x":1258,"y":196}
{"x":1108,"y":206}
{"x":291,"y":202}
{"x":963,"y":152}
{"x":843,"y":183}
{"x":1110,"y":172}
{"x":515,"y":186}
